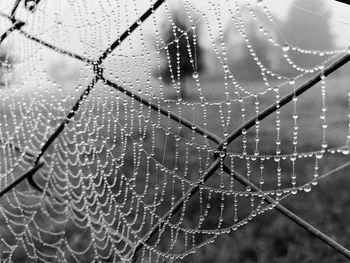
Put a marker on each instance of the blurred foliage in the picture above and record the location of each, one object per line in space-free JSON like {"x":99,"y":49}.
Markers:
{"x":246,"y":67}
{"x":184,"y":56}
{"x":307,"y":26}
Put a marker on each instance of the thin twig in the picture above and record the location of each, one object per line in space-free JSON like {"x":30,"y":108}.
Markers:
{"x":269,"y":110}
{"x":131,"y":29}
{"x":290,"y":215}
{"x":274,"y":107}
{"x":323,"y":176}
{"x":55,"y":48}
{"x":98,"y":73}
{"x":18,"y":149}
{"x":173,"y":210}
{"x":163,"y":111}
{"x":335,"y":170}
{"x":16,"y":26}
{"x":24,"y":176}
{"x":61,"y":127}
{"x":344,"y":1}
{"x":14,"y":8}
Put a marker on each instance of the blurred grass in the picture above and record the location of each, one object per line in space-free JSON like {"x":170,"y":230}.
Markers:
{"x":271,"y":237}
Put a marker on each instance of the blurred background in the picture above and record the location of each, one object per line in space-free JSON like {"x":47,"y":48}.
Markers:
{"x":215,"y":64}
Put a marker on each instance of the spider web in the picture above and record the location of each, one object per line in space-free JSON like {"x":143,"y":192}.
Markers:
{"x":119,"y":164}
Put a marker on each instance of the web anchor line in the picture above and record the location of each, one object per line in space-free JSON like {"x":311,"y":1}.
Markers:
{"x":130,"y":30}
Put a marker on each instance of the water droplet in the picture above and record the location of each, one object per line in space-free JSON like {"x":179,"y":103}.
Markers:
{"x":278,"y":192}
{"x":319,"y":155}
{"x":294,"y":190}
{"x":293,"y":157}
{"x":346,"y":151}
{"x":286,"y":48}
{"x":307,"y":188}
{"x":195,"y":75}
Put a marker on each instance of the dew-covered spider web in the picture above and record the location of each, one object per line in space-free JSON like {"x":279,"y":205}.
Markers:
{"x":119,"y":161}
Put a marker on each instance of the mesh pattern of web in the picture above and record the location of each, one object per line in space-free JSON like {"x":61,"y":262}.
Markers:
{"x":119,"y":165}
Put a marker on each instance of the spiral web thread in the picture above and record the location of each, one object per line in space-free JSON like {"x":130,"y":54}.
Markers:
{"x":115,"y":175}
